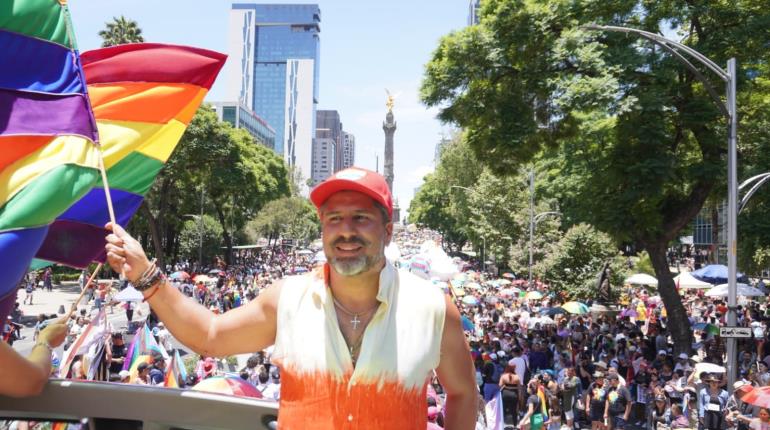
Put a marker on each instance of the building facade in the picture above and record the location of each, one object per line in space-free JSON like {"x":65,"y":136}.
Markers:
{"x":348,"y":150}
{"x":324,"y":156}
{"x":240,"y":116}
{"x":328,"y":124}
{"x":273,"y":68}
{"x":473,"y":11}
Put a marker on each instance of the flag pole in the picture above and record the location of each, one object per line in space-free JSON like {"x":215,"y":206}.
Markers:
{"x":82,"y":293}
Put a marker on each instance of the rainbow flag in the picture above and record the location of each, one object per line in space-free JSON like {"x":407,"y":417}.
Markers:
{"x":48,"y":159}
{"x":142,"y":344}
{"x":171,"y":380}
{"x":143,"y":97}
{"x":180,"y":366}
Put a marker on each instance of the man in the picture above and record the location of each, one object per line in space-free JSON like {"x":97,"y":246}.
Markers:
{"x":568,"y":389}
{"x":355,"y":340}
{"x":142,"y":374}
{"x":618,"y":408}
{"x":158,"y":370}
{"x":117,"y":353}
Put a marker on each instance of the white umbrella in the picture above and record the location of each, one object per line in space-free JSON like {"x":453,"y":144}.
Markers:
{"x":129,"y":294}
{"x":320,"y":257}
{"x":686,"y":280}
{"x":743,"y":290}
{"x":542,"y":320}
{"x":708,"y":368}
{"x":641,"y":279}
{"x":304,"y":252}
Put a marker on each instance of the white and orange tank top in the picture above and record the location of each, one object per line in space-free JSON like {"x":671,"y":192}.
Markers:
{"x":401,"y":346}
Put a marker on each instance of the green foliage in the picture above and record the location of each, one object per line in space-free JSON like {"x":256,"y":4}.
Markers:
{"x":287,"y":217}
{"x":643,"y":264}
{"x":190,"y":237}
{"x":573,"y":266}
{"x":441,"y":206}
{"x":237,"y":176}
{"x":634,"y":134}
{"x":120,"y":31}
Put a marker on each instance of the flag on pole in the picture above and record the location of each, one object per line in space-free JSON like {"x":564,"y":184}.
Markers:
{"x":494,"y":413}
{"x":94,"y":334}
{"x":171,"y":380}
{"x":143,"y":95}
{"x":180,"y":366}
{"x":142,"y":344}
{"x":48,"y":159}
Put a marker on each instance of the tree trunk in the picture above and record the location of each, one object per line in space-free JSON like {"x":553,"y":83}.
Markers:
{"x":225,"y":234}
{"x":714,"y":234}
{"x":677,"y":322}
{"x":153,"y":227}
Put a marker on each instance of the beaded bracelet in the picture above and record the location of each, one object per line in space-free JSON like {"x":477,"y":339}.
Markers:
{"x":150,"y":279}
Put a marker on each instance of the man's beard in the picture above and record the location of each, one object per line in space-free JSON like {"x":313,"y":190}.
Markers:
{"x":352,"y":266}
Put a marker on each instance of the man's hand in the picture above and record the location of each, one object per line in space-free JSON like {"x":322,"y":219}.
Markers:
{"x":124,"y":253}
{"x":53,"y":334}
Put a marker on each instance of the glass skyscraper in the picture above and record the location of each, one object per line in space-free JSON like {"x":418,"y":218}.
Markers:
{"x":274,"y":67}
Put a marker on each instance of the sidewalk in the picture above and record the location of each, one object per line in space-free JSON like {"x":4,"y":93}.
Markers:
{"x":47,"y":302}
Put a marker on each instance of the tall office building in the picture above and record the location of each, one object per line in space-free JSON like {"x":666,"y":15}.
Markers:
{"x":274,"y":52}
{"x":473,"y":11}
{"x":330,"y":120}
{"x":348,"y":150}
{"x":440,"y":147}
{"x":324,"y":156}
{"x":240,"y":116}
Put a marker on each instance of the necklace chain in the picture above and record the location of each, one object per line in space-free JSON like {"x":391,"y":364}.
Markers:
{"x":353,"y":314}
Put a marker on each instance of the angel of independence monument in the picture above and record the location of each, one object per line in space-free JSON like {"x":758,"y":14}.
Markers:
{"x":389,"y":127}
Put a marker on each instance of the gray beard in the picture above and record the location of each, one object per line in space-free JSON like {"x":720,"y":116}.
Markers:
{"x":352,"y":266}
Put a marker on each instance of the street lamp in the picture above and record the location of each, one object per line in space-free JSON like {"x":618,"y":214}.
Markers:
{"x":760,"y":180}
{"x":729,"y":110}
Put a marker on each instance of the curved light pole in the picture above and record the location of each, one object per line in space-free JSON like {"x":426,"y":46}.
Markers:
{"x":758,"y":181}
{"x":684,"y":54}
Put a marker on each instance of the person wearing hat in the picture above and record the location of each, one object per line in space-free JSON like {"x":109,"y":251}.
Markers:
{"x":659,"y":413}
{"x":362,"y":329}
{"x":125,"y":376}
{"x":618,"y":407}
{"x":158,"y":369}
{"x":712,"y":402}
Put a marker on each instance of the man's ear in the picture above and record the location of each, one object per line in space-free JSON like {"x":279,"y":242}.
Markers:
{"x":388,"y":233}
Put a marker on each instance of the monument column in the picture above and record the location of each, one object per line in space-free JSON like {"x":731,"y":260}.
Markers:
{"x":389,"y":126}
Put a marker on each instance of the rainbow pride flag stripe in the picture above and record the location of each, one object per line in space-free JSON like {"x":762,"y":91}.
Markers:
{"x":48,"y":159}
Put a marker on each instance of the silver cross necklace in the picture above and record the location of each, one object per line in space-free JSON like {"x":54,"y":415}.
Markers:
{"x":355,"y":321}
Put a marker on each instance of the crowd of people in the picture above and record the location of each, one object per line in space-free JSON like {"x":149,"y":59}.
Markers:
{"x":547,"y":367}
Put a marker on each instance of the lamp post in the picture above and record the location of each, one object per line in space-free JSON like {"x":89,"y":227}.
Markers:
{"x":533,"y":220}
{"x":684,"y":54}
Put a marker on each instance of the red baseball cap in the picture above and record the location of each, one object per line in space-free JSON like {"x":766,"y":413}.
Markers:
{"x":354,"y":179}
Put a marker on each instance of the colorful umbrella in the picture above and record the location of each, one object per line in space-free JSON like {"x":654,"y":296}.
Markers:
{"x":467,"y":324}
{"x":202,"y":278}
{"x":629,"y":313}
{"x":473,"y":285}
{"x":757,"y":396}
{"x":533,"y":295}
{"x":576,"y":308}
{"x":552,"y":311}
{"x":180,"y":275}
{"x":509,"y":292}
{"x":706,"y":327}
{"x":470,"y":300}
{"x":228,"y":385}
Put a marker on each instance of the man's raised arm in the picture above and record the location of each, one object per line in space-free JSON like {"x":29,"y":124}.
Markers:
{"x":245,"y":329}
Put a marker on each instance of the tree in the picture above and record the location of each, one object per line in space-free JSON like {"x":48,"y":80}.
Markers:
{"x":190,"y":238}
{"x":287,"y":217}
{"x":237,"y":176}
{"x":635,"y":132}
{"x":120,"y":31}
{"x":573,"y":266}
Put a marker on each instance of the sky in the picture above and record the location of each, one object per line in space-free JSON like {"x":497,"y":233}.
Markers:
{"x":366,"y":46}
